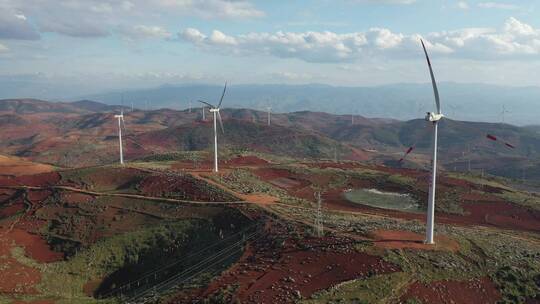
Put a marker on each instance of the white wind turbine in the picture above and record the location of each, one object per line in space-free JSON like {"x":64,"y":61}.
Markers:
{"x":269,"y":112}
{"x":120,"y":123}
{"x":215,"y":111}
{"x":434,"y":118}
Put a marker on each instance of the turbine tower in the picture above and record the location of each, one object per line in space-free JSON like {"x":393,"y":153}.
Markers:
{"x":215,"y":111}
{"x":433,"y":118}
{"x":503,"y":112}
{"x":120,"y":123}
{"x":269,"y":111}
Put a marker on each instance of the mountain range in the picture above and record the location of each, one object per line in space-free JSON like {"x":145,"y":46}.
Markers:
{"x":471,"y":102}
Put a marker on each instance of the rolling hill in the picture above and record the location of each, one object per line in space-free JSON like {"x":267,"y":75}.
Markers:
{"x":45,"y":132}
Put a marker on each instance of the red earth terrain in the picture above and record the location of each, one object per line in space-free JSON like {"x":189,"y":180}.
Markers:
{"x":478,"y":291}
{"x":274,"y":270}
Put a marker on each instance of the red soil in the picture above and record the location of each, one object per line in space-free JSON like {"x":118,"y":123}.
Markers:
{"x":37,"y":180}
{"x":405,"y":239}
{"x":272,"y":173}
{"x":16,"y":278}
{"x":296,"y":184}
{"x":11,"y":210}
{"x":35,"y":247}
{"x":338,"y":165}
{"x":75,"y":198}
{"x":267,"y":273}
{"x":16,"y":166}
{"x":504,"y":215}
{"x":479,"y":197}
{"x":478,"y":291}
{"x":182,"y":187}
{"x":249,"y":160}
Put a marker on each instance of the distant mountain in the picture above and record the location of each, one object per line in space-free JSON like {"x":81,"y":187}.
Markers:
{"x":93,"y":106}
{"x":32,"y":106}
{"x":245,"y":135}
{"x":471,"y":102}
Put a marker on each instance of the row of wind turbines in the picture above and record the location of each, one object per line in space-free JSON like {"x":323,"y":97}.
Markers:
{"x":216,"y":118}
{"x":432,"y":117}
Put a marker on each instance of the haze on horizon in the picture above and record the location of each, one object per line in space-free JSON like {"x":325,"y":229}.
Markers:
{"x":93,"y":46}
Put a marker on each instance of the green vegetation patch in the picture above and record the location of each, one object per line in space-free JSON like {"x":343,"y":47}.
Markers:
{"x":66,"y":279}
{"x":382,"y":199}
{"x":377,"y":289}
{"x":526,"y":199}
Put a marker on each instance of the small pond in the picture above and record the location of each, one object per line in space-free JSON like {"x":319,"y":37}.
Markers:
{"x":384,"y":200}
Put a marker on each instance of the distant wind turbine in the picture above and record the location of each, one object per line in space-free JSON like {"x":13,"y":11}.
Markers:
{"x":215,"y":111}
{"x":433,"y":118}
{"x":503,"y":112}
{"x":204,"y":113}
{"x":269,"y":111}
{"x":120,"y":123}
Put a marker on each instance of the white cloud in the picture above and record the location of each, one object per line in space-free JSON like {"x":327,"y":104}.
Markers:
{"x":212,"y":9}
{"x":15,"y":25}
{"x":20,"y":16}
{"x":291,"y":76}
{"x":144,"y":31}
{"x":498,"y":5}
{"x":98,"y":18}
{"x":3,"y":48}
{"x":514,"y":40}
{"x":463,"y":5}
{"x":387,"y":1}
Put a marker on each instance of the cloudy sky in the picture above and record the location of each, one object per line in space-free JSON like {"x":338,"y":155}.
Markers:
{"x":132,"y":43}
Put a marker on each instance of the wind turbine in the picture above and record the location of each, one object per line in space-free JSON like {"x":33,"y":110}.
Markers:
{"x":269,"y":111}
{"x":204,"y":113}
{"x":215,"y":111}
{"x":433,"y":118}
{"x":503,"y":112}
{"x":120,"y":123}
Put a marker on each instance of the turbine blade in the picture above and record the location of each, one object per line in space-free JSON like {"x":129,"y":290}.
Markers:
{"x":409,"y":150}
{"x":434,"y":83}
{"x":206,"y":103}
{"x":222,"y":95}
{"x":489,"y":136}
{"x":220,"y":122}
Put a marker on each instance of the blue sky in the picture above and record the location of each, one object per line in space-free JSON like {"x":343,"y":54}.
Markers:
{"x":114,"y":44}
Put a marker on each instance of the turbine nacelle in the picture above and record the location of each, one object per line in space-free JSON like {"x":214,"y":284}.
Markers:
{"x":433,"y":117}
{"x":118,"y":116}
{"x":213,"y":110}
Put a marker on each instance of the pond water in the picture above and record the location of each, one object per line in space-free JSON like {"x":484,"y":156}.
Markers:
{"x":384,"y":200}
